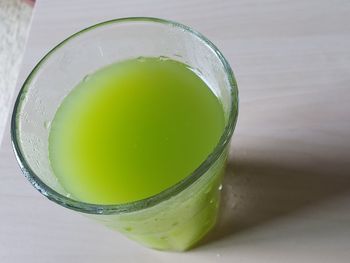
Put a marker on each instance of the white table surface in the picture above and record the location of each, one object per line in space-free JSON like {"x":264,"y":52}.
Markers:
{"x":287,"y":187}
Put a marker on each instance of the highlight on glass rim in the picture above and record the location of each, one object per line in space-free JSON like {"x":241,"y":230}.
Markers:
{"x":129,"y":122}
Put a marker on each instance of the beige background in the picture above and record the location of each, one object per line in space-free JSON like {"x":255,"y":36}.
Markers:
{"x":287,"y":187}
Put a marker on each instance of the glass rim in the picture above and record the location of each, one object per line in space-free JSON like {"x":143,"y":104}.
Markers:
{"x":173,"y":190}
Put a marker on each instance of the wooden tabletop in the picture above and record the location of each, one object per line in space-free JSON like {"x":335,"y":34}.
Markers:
{"x":287,"y":186}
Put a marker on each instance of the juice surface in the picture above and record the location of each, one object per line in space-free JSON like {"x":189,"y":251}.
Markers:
{"x":133,"y":129}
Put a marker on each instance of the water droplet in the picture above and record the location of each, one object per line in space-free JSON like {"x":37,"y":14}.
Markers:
{"x":220,"y":187}
{"x":141,"y":59}
{"x":68,"y":195}
{"x":218,"y":255}
{"x":211,"y":201}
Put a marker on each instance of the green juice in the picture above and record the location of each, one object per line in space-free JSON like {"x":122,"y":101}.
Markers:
{"x":130,"y":131}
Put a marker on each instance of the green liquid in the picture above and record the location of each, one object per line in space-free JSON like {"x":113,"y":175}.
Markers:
{"x":133,"y":129}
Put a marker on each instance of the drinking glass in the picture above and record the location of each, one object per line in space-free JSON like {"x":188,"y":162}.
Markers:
{"x":174,"y":219}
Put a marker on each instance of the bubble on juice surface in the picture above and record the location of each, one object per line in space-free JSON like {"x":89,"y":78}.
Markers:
{"x":163,"y":58}
{"x":141,"y":59}
{"x":86,"y":78}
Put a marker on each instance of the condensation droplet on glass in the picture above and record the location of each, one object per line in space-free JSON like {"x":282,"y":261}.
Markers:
{"x":101,"y":51}
{"x":220,"y":187}
{"x":68,"y":195}
{"x":211,"y":201}
{"x":47,"y":124}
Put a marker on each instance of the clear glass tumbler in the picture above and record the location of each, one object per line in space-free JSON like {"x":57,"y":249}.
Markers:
{"x":174,"y":219}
